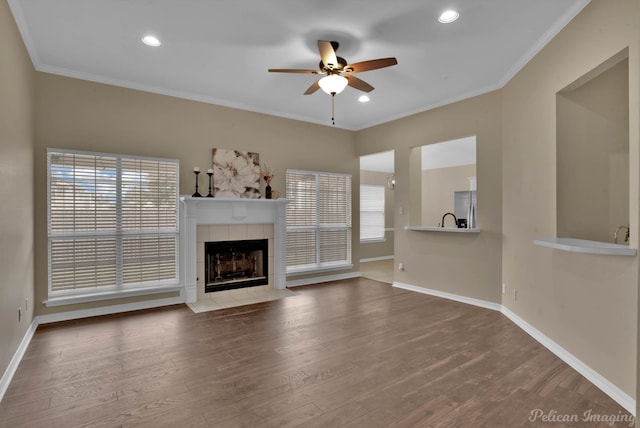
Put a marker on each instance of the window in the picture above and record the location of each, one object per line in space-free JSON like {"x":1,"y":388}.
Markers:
{"x":318,"y":221}
{"x":371,"y":213}
{"x":112,"y":223}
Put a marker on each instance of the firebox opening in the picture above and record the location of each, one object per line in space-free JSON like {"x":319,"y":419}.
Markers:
{"x":235,"y":264}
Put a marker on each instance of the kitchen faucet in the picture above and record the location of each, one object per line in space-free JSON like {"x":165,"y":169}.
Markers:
{"x":455,"y":220}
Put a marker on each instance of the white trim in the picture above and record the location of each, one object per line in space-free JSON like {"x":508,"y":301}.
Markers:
{"x":615,"y":393}
{"x":375,"y":259}
{"x":319,"y":279}
{"x":592,"y":376}
{"x":108,"y":310}
{"x":45,"y":68}
{"x":72,"y":315}
{"x":543,"y":41}
{"x":450,"y":296}
{"x":109,"y":295}
{"x":17,"y":357}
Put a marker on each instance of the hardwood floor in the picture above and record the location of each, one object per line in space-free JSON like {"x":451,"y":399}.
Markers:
{"x":354,"y":353}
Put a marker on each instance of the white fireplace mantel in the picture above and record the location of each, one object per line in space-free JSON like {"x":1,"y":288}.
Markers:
{"x":217,"y":211}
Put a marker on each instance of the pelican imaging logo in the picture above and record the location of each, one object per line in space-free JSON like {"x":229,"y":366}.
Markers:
{"x":588,"y":416}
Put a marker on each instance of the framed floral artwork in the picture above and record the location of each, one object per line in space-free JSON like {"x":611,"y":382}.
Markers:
{"x":236,"y":174}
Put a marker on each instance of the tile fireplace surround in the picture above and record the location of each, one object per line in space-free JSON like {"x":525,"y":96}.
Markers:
{"x":212,"y":219}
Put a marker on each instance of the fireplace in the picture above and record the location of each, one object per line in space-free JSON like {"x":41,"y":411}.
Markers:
{"x":204,"y":220}
{"x":235,"y":264}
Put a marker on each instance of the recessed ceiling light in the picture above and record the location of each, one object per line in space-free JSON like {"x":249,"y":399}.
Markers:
{"x":448,"y":16}
{"x":364,"y":99}
{"x":151,"y":41}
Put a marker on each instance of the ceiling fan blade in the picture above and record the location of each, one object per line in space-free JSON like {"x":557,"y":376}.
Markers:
{"x":373,"y":64}
{"x":293,"y":70}
{"x":312,"y":88}
{"x":359,"y":84}
{"x":327,"y":54}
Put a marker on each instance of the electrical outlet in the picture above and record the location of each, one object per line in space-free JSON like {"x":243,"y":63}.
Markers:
{"x":26,"y":304}
{"x":504,"y":288}
{"x":401,"y":210}
{"x":401,"y":266}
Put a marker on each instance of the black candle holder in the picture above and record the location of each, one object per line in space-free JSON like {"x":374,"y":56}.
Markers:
{"x":196,"y":195}
{"x":210,"y":195}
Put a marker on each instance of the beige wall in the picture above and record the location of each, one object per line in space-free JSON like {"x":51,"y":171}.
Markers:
{"x":371,"y":250}
{"x":585,"y":303}
{"x":76,"y":114}
{"x":463,"y":264}
{"x":16,"y":187}
{"x":438,"y":187}
{"x":592,"y":149}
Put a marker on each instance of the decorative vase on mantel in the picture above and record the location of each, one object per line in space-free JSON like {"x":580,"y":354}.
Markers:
{"x":267,"y":176}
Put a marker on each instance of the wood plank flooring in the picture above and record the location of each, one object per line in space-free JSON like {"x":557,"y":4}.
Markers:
{"x":354,"y":353}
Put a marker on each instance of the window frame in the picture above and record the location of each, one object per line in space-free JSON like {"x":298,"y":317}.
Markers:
{"x":120,"y":288}
{"x":319,"y":227}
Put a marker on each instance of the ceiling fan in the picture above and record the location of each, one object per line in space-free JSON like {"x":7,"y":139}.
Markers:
{"x":338,"y":73}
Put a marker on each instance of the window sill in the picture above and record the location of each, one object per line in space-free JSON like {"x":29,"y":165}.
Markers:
{"x":373,"y":241}
{"x":108,"y":295}
{"x":304,"y":271}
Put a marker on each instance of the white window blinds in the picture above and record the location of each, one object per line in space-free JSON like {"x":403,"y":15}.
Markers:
{"x":112,"y":222}
{"x":371,"y":212}
{"x":318,"y":220}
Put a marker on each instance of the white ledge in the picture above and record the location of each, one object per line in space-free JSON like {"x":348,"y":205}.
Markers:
{"x":442,"y":229}
{"x":587,"y":247}
{"x":206,"y":199}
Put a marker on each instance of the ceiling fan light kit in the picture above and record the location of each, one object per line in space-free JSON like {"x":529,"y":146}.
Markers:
{"x":333,"y":84}
{"x":338,"y":73}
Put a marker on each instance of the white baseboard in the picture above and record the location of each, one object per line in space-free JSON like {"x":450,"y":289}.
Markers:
{"x":71,"y":315}
{"x":108,"y":310}
{"x":375,"y":259}
{"x":326,"y":278}
{"x":593,"y":376}
{"x":17,"y":357}
{"x":458,"y":298}
{"x":622,"y":398}
{"x":615,"y":393}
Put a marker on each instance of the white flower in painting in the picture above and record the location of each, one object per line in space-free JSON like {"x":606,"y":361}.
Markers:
{"x":234,"y":174}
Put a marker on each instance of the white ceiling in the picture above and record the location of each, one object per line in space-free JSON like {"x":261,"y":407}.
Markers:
{"x":218,"y":51}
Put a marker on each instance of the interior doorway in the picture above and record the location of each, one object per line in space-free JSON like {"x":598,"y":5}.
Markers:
{"x":377,"y":186}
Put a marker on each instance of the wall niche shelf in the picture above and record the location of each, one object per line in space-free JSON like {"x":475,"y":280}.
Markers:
{"x":441,"y":229}
{"x":587,"y":247}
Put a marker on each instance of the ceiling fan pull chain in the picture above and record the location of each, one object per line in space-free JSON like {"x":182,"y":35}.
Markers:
{"x":333,"y":114}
